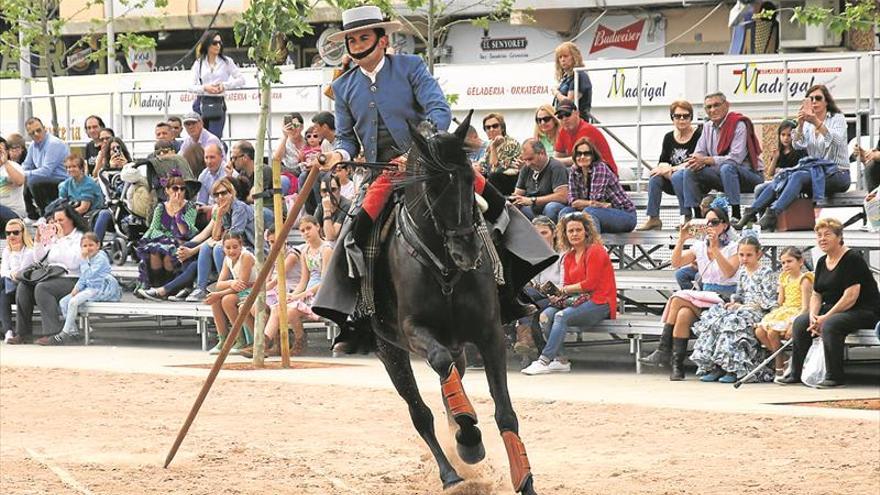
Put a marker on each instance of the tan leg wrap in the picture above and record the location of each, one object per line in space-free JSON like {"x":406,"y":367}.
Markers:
{"x":454,"y":395}
{"x":520,"y":471}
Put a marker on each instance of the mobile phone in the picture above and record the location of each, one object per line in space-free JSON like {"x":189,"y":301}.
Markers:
{"x":115,"y":151}
{"x":288,"y":119}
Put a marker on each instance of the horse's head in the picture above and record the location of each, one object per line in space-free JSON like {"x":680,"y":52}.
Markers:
{"x":449,"y":191}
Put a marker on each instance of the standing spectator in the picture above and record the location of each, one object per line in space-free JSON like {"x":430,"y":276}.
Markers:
{"x":324,"y":123}
{"x":588,"y":294}
{"x":574,"y":128}
{"x":717,"y":264}
{"x":113,"y":156}
{"x":845,"y":299}
{"x":727,"y":157}
{"x":173,"y":224}
{"x":333,"y":209}
{"x":542,"y":184}
{"x":213,"y":73}
{"x":678,"y":145}
{"x":568,"y":58}
{"x":726,"y":348}
{"x":546,"y":128}
{"x":164,"y":132}
{"x":234,"y":284}
{"x":594,"y":189}
{"x":476,"y":148}
{"x":501,"y":162}
{"x":214,"y":171}
{"x":871,"y":159}
{"x":821,"y":131}
{"x":289,"y":149}
{"x":58,"y":243}
{"x":93,"y":126}
{"x":11,"y":187}
{"x":44,"y":165}
{"x":17,"y":255}
{"x":96,"y":283}
{"x":197,"y":134}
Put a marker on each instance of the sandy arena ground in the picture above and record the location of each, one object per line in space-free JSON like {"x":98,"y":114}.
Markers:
{"x":99,"y":420}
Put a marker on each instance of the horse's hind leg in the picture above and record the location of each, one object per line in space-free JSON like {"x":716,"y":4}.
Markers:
{"x":494,"y":358}
{"x":397,"y":365}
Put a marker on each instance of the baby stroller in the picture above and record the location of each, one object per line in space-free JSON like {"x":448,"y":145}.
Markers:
{"x":129,"y":217}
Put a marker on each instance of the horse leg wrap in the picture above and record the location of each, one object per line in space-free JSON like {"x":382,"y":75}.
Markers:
{"x":520,"y":471}
{"x":454,"y":395}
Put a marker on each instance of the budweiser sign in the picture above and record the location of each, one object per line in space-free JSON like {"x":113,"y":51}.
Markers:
{"x":626,"y":37}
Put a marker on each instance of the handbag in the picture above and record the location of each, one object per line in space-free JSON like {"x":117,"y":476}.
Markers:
{"x":209,"y":107}
{"x":40,"y":272}
{"x":572,"y":301}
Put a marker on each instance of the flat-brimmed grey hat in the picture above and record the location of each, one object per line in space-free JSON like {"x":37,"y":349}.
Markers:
{"x":365,"y":17}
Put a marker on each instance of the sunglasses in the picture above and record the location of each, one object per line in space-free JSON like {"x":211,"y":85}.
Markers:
{"x":491,"y":126}
{"x":178,"y":188}
{"x":543,"y":120}
{"x":579,"y":154}
{"x":714,"y":222}
{"x":333,"y":189}
{"x":220,"y":194}
{"x":563,"y":115}
{"x":13,"y":232}
{"x":575,"y":214}
{"x":681,"y":116}
{"x":217,"y":43}
{"x":162,"y":151}
{"x":309,"y":136}
{"x":817,"y":98}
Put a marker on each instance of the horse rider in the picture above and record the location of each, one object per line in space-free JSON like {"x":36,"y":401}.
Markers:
{"x":376,"y":102}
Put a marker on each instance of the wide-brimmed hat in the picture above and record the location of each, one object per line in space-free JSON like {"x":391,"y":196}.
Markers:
{"x":366,"y":17}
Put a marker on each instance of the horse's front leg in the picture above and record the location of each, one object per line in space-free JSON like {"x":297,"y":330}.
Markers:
{"x":469,"y":440}
{"x":495,"y":362}
{"x":398,"y":366}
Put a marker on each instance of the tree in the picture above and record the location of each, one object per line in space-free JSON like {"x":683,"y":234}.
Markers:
{"x":38,"y":24}
{"x":860,"y":16}
{"x":430,"y":20}
{"x":256,"y":30}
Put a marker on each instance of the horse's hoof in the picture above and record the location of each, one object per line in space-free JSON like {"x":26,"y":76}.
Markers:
{"x":528,"y":487}
{"x":452,"y":481}
{"x":471,"y":454}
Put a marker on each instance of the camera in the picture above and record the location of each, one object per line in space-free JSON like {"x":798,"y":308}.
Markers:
{"x":697,"y":228}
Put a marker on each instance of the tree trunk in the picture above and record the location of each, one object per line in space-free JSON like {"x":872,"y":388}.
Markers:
{"x":45,"y":47}
{"x":259,"y":151}
{"x":430,"y":47}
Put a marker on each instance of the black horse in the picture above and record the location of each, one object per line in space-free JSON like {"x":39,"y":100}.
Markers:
{"x":435,"y":290}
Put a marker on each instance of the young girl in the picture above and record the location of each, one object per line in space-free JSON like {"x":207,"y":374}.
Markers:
{"x":795,"y":289}
{"x":726,"y":347}
{"x":313,"y":145}
{"x":95,"y":284}
{"x":233,"y":285}
{"x":786,"y":156}
{"x":17,"y":255}
{"x":293,"y":272}
{"x":315,"y":259}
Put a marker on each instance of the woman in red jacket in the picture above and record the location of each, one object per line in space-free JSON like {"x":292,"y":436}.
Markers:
{"x":587,"y":296}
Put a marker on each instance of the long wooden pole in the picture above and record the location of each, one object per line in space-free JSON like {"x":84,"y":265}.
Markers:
{"x":280,"y":242}
{"x":281,"y":268}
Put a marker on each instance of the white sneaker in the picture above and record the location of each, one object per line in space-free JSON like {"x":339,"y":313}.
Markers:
{"x":9,"y":335}
{"x":537,"y":367}
{"x":557,"y":366}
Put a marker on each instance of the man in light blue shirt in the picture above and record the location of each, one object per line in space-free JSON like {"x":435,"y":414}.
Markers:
{"x":196,"y":133}
{"x":44,"y":166}
{"x":214,"y":171}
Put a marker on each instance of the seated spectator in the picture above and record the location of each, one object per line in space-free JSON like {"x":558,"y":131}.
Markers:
{"x":845,"y":299}
{"x":727,"y":157}
{"x":17,"y":255}
{"x":573,"y":128}
{"x":160,"y":272}
{"x":569,"y":58}
{"x":500,"y":164}
{"x":542,"y":184}
{"x":195,"y":157}
{"x":546,"y":128}
{"x":215,"y":170}
{"x":726,"y":348}
{"x":176,"y":125}
{"x":678,"y":145}
{"x":871,"y":159}
{"x":717,"y":264}
{"x":333,"y":209}
{"x":43,"y":167}
{"x":324,"y":124}
{"x":346,"y":185}
{"x":234,"y":284}
{"x":11,"y":187}
{"x":113,"y":156}
{"x":93,"y":126}
{"x":476,"y":148}
{"x":85,"y":195}
{"x":821,"y":131}
{"x":289,"y":150}
{"x":242,"y":160}
{"x":197,"y":134}
{"x":96,"y":284}
{"x":165,"y":133}
{"x":588,"y":294}
{"x":17,"y":148}
{"x":57,"y":243}
{"x":795,"y":289}
{"x":229,"y":214}
{"x":594,"y":189}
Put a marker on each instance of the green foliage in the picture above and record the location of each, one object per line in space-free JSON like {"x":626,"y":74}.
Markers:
{"x":257,"y":26}
{"x":862,"y":16}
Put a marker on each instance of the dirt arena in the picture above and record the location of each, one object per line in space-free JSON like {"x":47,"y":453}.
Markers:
{"x":70,"y":431}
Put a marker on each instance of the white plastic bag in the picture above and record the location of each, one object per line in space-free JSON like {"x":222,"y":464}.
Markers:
{"x":814,"y":364}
